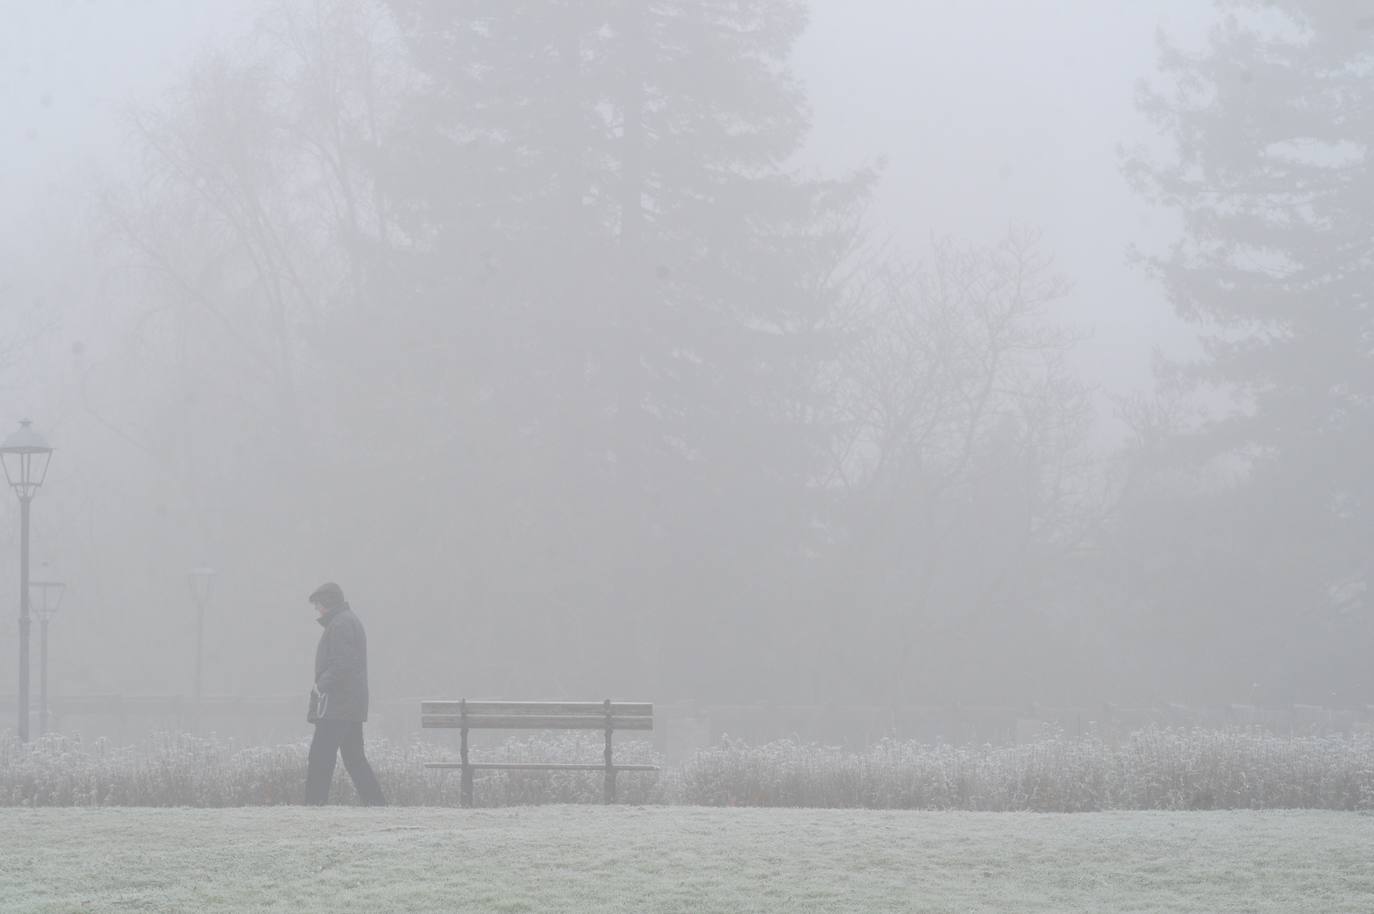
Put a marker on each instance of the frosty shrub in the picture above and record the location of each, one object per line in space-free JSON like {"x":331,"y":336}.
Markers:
{"x":1153,"y":769}
{"x":179,"y":769}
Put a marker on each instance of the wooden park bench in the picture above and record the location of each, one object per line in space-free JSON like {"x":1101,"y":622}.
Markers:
{"x":466,"y":714}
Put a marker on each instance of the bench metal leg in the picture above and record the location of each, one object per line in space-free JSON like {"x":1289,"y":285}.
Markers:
{"x":466,"y":799}
{"x":610,"y":786}
{"x":608,"y":796}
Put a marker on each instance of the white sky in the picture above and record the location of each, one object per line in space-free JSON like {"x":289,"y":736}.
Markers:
{"x":994,"y":112}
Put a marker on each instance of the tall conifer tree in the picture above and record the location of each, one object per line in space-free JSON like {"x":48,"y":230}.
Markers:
{"x":630,"y":287}
{"x":1273,"y":175}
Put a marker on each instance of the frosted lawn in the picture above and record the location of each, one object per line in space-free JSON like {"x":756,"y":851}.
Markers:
{"x":631,"y":859}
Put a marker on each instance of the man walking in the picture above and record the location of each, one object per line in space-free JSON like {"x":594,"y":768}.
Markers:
{"x":338,"y":702}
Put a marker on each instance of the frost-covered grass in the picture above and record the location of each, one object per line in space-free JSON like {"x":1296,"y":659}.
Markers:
{"x":680,"y":859}
{"x":1153,"y":769}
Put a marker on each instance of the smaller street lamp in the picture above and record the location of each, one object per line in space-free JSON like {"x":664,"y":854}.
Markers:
{"x":200,"y":578}
{"x":25,"y":455}
{"x":46,"y":598}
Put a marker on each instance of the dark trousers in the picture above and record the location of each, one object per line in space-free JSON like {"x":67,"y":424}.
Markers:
{"x":332,"y":739}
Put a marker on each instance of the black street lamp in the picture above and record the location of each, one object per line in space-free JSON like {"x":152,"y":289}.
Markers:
{"x":200,"y":579}
{"x":49,"y":600}
{"x":25,"y":455}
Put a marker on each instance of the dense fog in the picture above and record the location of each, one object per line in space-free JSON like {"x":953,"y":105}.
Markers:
{"x":869,"y":352}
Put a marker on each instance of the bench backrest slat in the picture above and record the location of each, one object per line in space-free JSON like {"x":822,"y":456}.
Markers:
{"x":537,"y":715}
{"x":542,"y":708}
{"x":530,"y":722}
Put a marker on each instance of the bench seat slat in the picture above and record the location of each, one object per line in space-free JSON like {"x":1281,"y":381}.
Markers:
{"x":533,"y":722}
{"x":536,"y":766}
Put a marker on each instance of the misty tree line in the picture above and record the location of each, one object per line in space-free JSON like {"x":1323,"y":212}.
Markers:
{"x":518,"y":320}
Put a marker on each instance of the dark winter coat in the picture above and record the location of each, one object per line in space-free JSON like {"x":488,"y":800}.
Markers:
{"x":341,"y":667}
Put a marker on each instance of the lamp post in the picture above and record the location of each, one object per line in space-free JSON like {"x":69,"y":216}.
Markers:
{"x":200,"y":579}
{"x":49,"y":600}
{"x":25,"y":455}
